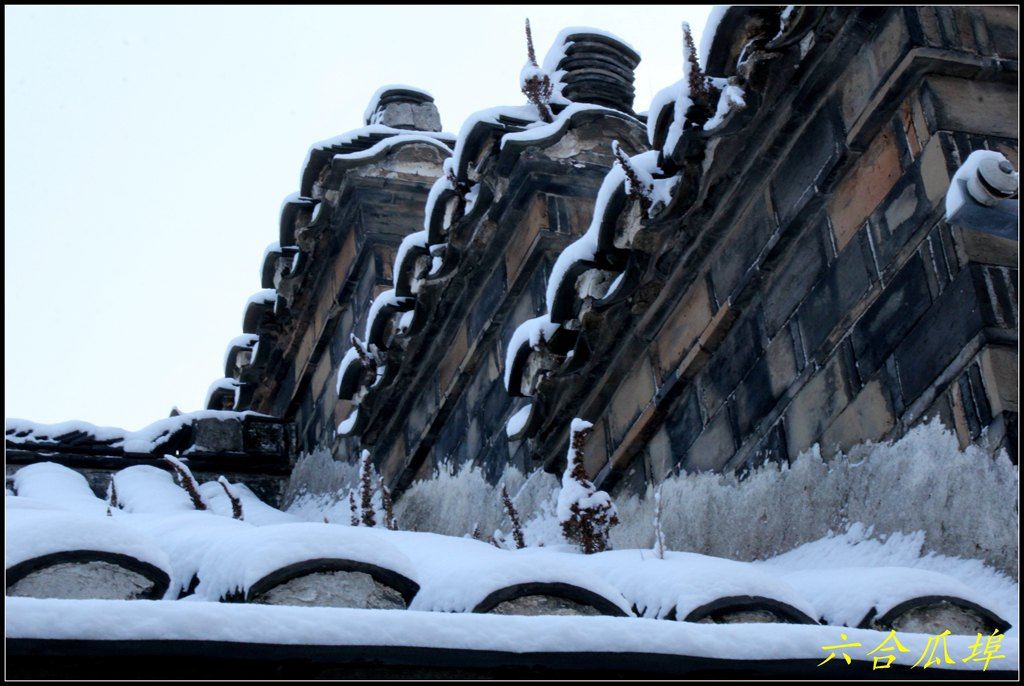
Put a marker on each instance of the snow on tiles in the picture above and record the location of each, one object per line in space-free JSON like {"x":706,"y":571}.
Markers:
{"x":113,"y":620}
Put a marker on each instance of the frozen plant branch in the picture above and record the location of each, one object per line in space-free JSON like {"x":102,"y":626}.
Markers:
{"x":184,"y":477}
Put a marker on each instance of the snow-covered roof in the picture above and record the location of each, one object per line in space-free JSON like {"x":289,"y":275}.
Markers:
{"x":111,"y":620}
{"x":145,"y":440}
{"x":33,"y":533}
{"x":158,"y":526}
{"x":232,"y":566}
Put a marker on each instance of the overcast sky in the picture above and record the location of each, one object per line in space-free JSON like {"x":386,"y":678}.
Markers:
{"x":147,"y":151}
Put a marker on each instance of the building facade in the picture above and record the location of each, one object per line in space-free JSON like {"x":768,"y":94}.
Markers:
{"x":782,"y":271}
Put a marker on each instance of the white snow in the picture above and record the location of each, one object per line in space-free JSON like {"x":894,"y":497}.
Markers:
{"x":405,"y":321}
{"x":730,"y":99}
{"x":346,"y":425}
{"x":349,"y":136}
{"x":145,"y":440}
{"x":184,"y":537}
{"x":223,"y":384}
{"x":490,"y":115}
{"x":533,"y":331}
{"x":517,"y":421}
{"x":456,"y":574}
{"x":784,"y":16}
{"x":860,"y":547}
{"x":843,"y":596}
{"x":32,"y":533}
{"x":660,"y":100}
{"x":391,"y":142}
{"x":245,"y":623}
{"x":687,"y":581}
{"x":235,"y":564}
{"x":265,"y":296}
{"x":144,"y":488}
{"x":271,"y":248}
{"x":441,"y":185}
{"x":707,"y":37}
{"x":256,"y":512}
{"x":351,"y":357}
{"x":246,"y":340}
{"x":387,"y":297}
{"x":540,"y":130}
{"x":955,"y":195}
{"x":615,"y":284}
{"x":585,"y":247}
{"x":59,"y":487}
{"x":417,"y":239}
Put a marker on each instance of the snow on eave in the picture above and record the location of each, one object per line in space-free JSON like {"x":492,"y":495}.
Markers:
{"x":144,"y":440}
{"x":225,"y":384}
{"x":385,"y":298}
{"x":440,"y":186}
{"x":531,"y":331}
{"x":707,"y":36}
{"x":489,"y":117}
{"x":363,"y":131}
{"x":246,"y":340}
{"x":265,"y":296}
{"x":417,"y":239}
{"x":351,"y":356}
{"x":517,"y":422}
{"x":585,"y":247}
{"x":541,"y":131}
{"x":347,"y":425}
{"x":387,"y":144}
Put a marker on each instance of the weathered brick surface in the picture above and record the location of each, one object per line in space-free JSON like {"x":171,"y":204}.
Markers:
{"x":814,"y":154}
{"x":891,"y":316}
{"x":837,"y":295}
{"x":684,"y":324}
{"x":871,"y":179}
{"x":815,"y":406}
{"x":714,"y":446}
{"x":954,"y":104}
{"x":869,"y":417}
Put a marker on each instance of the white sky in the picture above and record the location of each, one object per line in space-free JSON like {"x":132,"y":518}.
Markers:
{"x":147,"y":151}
